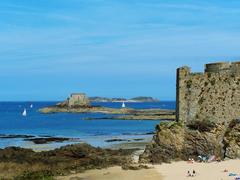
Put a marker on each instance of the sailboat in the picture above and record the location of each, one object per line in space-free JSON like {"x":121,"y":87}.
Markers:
{"x":24,"y":112}
{"x":123,"y":105}
{"x":31,"y":106}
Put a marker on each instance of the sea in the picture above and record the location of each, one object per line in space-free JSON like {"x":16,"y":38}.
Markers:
{"x":96,"y":132}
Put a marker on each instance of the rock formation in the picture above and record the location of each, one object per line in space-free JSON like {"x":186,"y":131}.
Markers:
{"x":19,"y":163}
{"x":207,"y":117}
{"x":179,"y":141}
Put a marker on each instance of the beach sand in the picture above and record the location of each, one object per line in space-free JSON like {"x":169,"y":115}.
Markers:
{"x":205,"y":171}
{"x":115,"y":173}
{"x":173,"y":171}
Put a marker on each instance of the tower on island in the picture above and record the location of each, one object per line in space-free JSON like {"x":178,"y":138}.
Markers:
{"x":78,"y":99}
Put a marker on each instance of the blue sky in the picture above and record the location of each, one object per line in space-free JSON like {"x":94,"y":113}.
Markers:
{"x":112,"y":48}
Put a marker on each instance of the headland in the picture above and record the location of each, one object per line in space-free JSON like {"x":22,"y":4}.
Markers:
{"x":139,"y":99}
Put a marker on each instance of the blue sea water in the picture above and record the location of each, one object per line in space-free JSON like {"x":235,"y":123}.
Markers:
{"x":94,"y":132}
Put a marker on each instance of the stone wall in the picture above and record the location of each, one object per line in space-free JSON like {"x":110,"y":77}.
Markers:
{"x":78,"y":99}
{"x":212,"y":95}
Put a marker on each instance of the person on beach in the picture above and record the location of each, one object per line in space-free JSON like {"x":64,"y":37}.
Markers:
{"x":194,"y":173}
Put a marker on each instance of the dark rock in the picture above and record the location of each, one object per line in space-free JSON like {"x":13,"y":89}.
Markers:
{"x":148,"y":133}
{"x":77,"y":158}
{"x":138,"y":139}
{"x":15,"y":154}
{"x":45,"y":140}
{"x":134,"y":167}
{"x":13,"y":136}
{"x":36,"y":175}
{"x":115,"y":140}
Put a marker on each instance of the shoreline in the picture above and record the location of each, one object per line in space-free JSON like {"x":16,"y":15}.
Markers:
{"x":45,"y":143}
{"x":165,"y":171}
{"x":174,"y":170}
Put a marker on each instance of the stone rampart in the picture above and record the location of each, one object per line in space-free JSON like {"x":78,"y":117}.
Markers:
{"x":213,"y":94}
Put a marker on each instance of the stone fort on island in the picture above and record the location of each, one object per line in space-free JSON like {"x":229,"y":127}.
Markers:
{"x":78,"y":99}
{"x":211,"y":95}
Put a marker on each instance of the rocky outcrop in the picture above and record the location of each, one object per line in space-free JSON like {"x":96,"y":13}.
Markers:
{"x":119,"y":113}
{"x":24,"y":164}
{"x":166,"y":144}
{"x":232,"y":140}
{"x":46,"y":140}
{"x":178,"y":141}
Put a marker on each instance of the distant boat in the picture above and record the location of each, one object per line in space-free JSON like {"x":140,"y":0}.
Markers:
{"x":123,"y":105}
{"x":31,"y":106}
{"x":24,"y":112}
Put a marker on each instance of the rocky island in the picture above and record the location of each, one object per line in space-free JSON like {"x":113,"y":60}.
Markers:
{"x":135,"y":99}
{"x":80,"y":103}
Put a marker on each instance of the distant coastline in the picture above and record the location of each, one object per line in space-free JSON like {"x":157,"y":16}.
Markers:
{"x":135,"y":99}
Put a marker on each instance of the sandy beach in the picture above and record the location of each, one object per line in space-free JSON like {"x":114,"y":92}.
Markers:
{"x":173,"y":171}
{"x":115,"y":173}
{"x":204,"y":171}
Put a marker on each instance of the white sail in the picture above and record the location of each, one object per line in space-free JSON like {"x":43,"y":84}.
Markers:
{"x":24,"y":112}
{"x":123,"y":105}
{"x":31,"y":106}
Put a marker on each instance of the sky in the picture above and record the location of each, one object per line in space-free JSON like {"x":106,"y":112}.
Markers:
{"x":110,"y":48}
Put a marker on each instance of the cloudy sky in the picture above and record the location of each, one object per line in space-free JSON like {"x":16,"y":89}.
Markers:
{"x":112,"y":48}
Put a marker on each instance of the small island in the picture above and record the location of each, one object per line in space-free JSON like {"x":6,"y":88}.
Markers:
{"x":80,"y":103}
{"x":135,"y":99}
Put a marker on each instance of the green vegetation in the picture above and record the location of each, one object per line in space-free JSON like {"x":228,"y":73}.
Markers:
{"x":37,"y":175}
{"x":144,"y":99}
{"x":137,"y":99}
{"x":170,"y":125}
{"x":205,"y":125}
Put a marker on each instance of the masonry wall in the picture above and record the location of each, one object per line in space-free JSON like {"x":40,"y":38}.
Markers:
{"x":214,"y":94}
{"x":78,"y":99}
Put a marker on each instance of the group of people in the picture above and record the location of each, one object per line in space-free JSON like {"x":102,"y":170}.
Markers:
{"x":189,"y":174}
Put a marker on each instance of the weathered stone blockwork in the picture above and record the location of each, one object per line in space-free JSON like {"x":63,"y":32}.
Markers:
{"x":213,"y":95}
{"x":78,"y":99}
